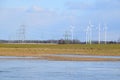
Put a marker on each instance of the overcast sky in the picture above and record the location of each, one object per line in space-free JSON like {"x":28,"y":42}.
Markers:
{"x":49,"y":19}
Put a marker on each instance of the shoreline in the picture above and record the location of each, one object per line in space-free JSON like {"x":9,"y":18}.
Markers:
{"x":57,"y":58}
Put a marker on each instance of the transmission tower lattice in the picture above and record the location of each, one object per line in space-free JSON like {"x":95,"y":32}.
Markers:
{"x":22,"y":33}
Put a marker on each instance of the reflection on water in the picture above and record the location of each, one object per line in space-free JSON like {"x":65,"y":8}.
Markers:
{"x":58,"y":70}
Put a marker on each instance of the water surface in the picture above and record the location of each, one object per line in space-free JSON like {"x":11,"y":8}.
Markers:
{"x":31,"y":69}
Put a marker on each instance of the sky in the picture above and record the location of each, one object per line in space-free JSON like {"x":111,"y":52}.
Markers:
{"x":51,"y":19}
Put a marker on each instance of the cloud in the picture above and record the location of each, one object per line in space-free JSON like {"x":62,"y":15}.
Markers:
{"x":77,"y":5}
{"x":96,"y":10}
{"x":38,"y":19}
{"x":34,"y":9}
{"x":94,"y":5}
{"x":32,"y":16}
{"x":107,"y":5}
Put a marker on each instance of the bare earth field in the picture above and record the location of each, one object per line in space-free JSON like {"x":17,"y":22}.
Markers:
{"x":44,"y":51}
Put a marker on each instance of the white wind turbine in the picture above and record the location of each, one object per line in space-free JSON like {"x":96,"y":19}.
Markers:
{"x":72,"y":32}
{"x":90,"y":31}
{"x":87,"y":34}
{"x":99,"y":29}
{"x":105,"y":33}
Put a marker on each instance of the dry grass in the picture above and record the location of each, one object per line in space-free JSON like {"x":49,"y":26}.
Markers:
{"x":45,"y":49}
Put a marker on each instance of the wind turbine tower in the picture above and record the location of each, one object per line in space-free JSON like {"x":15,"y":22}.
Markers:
{"x":87,"y":35}
{"x":72,"y":33}
{"x":90,"y":31}
{"x":99,"y":29}
{"x":105,"y":33}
